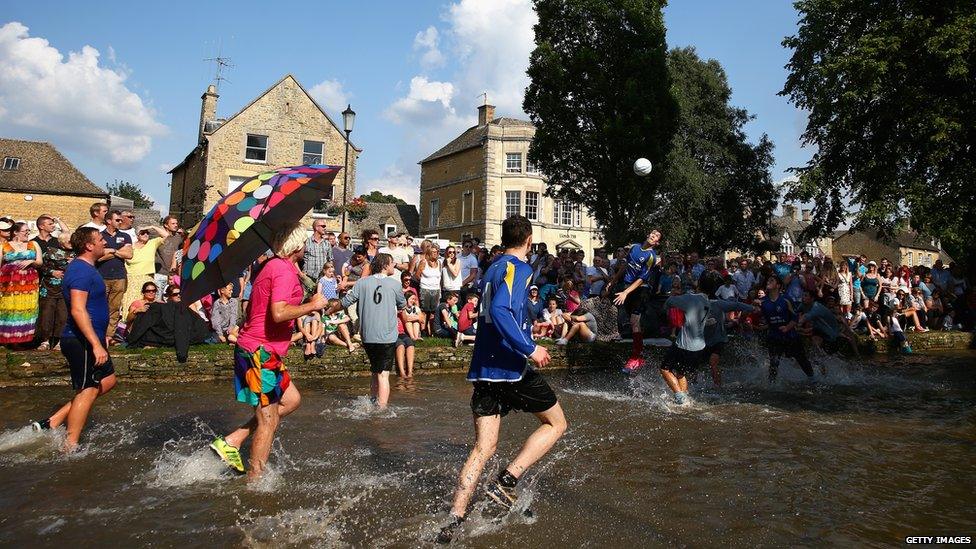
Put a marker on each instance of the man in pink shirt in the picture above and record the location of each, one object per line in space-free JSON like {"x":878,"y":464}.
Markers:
{"x":261,"y":379}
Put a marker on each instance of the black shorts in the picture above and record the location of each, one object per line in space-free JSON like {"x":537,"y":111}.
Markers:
{"x":634,"y":304}
{"x":381,"y":356}
{"x":792,"y":347}
{"x":81,"y":361}
{"x":715,"y":349}
{"x":404,"y":340}
{"x":682,"y":362}
{"x":530,"y":394}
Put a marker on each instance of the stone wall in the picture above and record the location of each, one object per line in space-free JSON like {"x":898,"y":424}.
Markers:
{"x":73,"y":210}
{"x":209,"y":362}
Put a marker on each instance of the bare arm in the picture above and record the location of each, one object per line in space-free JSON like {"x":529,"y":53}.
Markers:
{"x":38,"y":256}
{"x":281,"y":311}
{"x":125,"y":252}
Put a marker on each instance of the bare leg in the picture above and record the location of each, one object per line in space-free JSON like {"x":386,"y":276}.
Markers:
{"x":539,"y":442}
{"x":290,"y":401}
{"x":379,"y":389}
{"x":573,"y":331}
{"x":400,"y":360}
{"x":409,"y":356}
{"x":61,"y":415}
{"x":672,"y":380}
{"x":486,"y":438}
{"x":716,"y":373}
{"x":267,"y":418}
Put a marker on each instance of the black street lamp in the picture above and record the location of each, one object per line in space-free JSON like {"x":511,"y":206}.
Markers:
{"x":348,"y":119}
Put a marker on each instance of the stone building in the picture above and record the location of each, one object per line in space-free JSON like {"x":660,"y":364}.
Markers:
{"x":283,"y":126}
{"x":469,"y":186}
{"x":905,"y":248}
{"x":786,"y":235}
{"x":36,"y":179}
{"x":387,"y":219}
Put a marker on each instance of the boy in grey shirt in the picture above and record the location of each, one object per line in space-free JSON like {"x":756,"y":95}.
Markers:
{"x":688,"y":351}
{"x":378,"y":298}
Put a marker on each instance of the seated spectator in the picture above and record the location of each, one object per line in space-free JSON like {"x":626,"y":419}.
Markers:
{"x":445,"y":317}
{"x":310,"y":326}
{"x":224,"y":315}
{"x":534,"y":304}
{"x":904,"y":308}
{"x":583,"y":326}
{"x":569,"y":296}
{"x":336,"y":329}
{"x":467,"y":320}
{"x":412,"y":317}
{"x":552,"y":325}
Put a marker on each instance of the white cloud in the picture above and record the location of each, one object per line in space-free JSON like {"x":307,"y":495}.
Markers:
{"x":427,"y":101}
{"x":71,"y":101}
{"x":428,"y":42}
{"x":331,"y":95}
{"x":395,"y":181}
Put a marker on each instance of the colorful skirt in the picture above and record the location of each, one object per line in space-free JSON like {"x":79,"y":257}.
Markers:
{"x":260,"y":378}
{"x":18,"y":304}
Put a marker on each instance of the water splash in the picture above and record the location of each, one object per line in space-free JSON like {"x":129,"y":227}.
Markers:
{"x":362,"y":407}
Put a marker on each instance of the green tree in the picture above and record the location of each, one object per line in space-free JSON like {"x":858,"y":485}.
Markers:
{"x":890,"y":90}
{"x":719,"y":194}
{"x":131,"y":191}
{"x":600,"y":98}
{"x":378,"y":197}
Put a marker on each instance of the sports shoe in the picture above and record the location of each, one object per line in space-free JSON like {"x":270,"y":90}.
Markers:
{"x":447,"y":533}
{"x":42,"y":425}
{"x":500,"y":494}
{"x":907,"y":349}
{"x":561,"y":341}
{"x":43,"y":346}
{"x":681,"y":398}
{"x":228,"y":453}
{"x":632,"y":365}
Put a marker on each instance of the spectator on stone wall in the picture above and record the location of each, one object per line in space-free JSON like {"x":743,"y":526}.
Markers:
{"x":118,"y":248}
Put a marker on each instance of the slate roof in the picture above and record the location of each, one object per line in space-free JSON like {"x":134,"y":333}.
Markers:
{"x":906,"y":239}
{"x":474,"y":137}
{"x":43,"y":170}
{"x":404,"y":216}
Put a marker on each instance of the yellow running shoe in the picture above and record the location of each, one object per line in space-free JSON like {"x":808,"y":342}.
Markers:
{"x":228,"y":453}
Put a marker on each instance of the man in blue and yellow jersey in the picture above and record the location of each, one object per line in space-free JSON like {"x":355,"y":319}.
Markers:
{"x":503,"y":378}
{"x":641,"y":260}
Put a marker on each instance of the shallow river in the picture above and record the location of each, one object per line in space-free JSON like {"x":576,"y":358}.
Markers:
{"x":869,"y":455}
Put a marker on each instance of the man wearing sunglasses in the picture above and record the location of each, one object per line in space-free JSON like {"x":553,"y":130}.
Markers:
{"x":128,"y":219}
{"x":342,"y":252}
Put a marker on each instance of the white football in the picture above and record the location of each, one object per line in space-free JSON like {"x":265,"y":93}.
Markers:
{"x":642,"y":167}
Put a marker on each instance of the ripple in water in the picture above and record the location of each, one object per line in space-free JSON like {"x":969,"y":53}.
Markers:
{"x":363,"y":408}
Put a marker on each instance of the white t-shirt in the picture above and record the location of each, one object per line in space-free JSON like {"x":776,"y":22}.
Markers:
{"x":547,"y":316}
{"x":597,"y":286}
{"x":399,"y":254}
{"x":93,"y":225}
{"x":469,"y":262}
{"x":727,"y":292}
{"x":131,"y":232}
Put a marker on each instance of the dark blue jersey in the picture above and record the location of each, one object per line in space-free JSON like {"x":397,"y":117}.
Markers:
{"x":778,"y":313}
{"x":639,"y":263}
{"x":504,"y":339}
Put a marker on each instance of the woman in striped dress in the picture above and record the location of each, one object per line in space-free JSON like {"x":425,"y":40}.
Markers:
{"x":19,"y":283}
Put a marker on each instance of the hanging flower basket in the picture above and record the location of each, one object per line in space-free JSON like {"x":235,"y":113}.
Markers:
{"x":357,"y":209}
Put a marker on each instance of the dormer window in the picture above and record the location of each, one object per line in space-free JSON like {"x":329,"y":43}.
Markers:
{"x":11,"y":163}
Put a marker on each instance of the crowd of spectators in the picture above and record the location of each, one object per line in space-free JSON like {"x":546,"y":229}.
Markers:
{"x":569,"y":299}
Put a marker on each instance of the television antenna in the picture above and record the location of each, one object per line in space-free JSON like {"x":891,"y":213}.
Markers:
{"x":221,"y":64}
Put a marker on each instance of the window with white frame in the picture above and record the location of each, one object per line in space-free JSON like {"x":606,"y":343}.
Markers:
{"x":11,"y":163}
{"x":257,"y":148}
{"x":555,"y":212}
{"x":530,"y":166}
{"x":312,"y":152}
{"x":532,"y":205}
{"x":235,"y":181}
{"x":786,"y":244}
{"x":435,"y":212}
{"x":909,"y":258}
{"x":513,"y":203}
{"x":513,"y":162}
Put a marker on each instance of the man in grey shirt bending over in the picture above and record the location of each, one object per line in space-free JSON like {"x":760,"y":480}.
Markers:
{"x":688,"y":352}
{"x":378,"y":298}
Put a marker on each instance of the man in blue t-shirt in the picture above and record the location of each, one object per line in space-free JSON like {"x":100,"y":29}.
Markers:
{"x":641,"y":260}
{"x":780,"y":319}
{"x":83,"y":339}
{"x":118,"y":248}
{"x":503,"y":380}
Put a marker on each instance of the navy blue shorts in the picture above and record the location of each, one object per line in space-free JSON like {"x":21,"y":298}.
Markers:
{"x":81,"y":361}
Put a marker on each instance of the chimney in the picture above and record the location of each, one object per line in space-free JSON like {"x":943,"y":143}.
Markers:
{"x":789,"y":211}
{"x":486,"y":113}
{"x":208,"y":109}
{"x":807,"y":214}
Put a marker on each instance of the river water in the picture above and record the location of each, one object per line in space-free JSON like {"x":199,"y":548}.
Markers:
{"x":869,"y":455}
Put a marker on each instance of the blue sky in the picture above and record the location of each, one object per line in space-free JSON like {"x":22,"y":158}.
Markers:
{"x":116,"y":86}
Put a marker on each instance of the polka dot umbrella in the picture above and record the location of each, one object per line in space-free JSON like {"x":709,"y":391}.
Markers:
{"x":240,"y":226}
